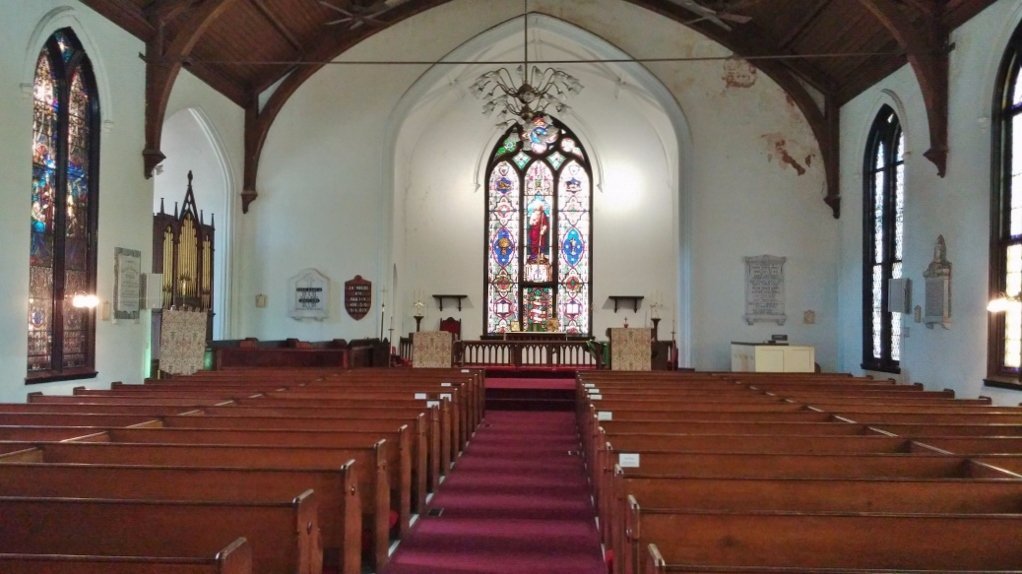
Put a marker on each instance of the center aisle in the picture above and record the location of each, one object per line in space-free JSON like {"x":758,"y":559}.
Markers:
{"x":517,"y":501}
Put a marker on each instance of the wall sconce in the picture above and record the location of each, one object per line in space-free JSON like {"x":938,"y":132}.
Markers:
{"x":106,"y":311}
{"x":1004,"y":302}
{"x":260,"y":300}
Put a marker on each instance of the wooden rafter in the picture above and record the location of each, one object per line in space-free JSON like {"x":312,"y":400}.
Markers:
{"x":258,"y":120}
{"x":164,"y":58}
{"x":279,"y":26}
{"x":926,"y":48}
{"x":808,"y":16}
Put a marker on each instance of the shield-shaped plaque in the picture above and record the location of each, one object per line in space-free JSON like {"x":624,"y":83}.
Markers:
{"x":358,"y":297}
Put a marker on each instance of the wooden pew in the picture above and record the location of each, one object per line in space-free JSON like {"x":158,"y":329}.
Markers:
{"x":351,"y":410}
{"x":141,"y":412}
{"x":72,"y":418}
{"x":448,"y":401}
{"x":284,"y":536}
{"x":829,"y":540}
{"x":370,"y":466}
{"x":974,"y":444}
{"x":179,"y":403}
{"x":396,"y":449}
{"x":954,"y":496}
{"x":235,"y":558}
{"x":923,"y":430}
{"x":340,"y":514}
{"x":420,"y":437}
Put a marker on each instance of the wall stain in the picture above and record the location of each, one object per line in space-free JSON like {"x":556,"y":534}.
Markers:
{"x":778,"y":145}
{"x":739,"y":74}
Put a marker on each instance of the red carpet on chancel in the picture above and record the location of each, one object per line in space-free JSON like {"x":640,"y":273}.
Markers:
{"x":517,"y":501}
{"x":530,"y":383}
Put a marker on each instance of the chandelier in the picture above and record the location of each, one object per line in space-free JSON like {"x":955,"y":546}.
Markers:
{"x":523,"y":97}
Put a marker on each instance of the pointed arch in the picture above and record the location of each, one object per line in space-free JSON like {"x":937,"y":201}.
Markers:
{"x":65,"y":212}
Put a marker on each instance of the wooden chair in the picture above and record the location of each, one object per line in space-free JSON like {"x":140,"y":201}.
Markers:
{"x":452,"y":326}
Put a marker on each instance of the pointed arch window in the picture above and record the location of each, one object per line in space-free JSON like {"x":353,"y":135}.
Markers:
{"x":883,"y":232}
{"x":539,"y":232}
{"x":1005,"y":329}
{"x":62,"y":249}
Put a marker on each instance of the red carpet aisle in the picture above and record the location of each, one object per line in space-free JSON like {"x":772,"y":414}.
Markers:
{"x":517,"y":501}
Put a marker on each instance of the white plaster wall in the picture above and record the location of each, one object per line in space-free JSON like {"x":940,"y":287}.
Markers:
{"x":956,"y":206}
{"x":332,"y":188}
{"x":203,"y":132}
{"x":125,"y":195}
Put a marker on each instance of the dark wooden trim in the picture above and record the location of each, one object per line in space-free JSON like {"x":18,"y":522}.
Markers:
{"x":1000,"y":211}
{"x":927,"y":50}
{"x":125,"y":14}
{"x":279,"y":26}
{"x":807,"y":18}
{"x":50,"y":377}
{"x":880,"y":132}
{"x":164,"y":58}
{"x":259,"y":120}
{"x":880,"y":368}
{"x":1003,"y":384}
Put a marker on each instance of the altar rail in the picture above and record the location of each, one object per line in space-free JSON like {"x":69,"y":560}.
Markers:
{"x":526,"y":353}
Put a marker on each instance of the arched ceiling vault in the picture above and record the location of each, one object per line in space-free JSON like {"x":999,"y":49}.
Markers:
{"x":821,"y":52}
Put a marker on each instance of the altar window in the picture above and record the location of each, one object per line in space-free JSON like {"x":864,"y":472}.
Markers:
{"x":64,"y":212}
{"x":539,"y":232}
{"x":884,"y":223}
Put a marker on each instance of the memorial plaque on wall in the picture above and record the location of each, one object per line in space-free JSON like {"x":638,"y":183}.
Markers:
{"x":358,"y":297}
{"x":309,"y":294}
{"x":764,"y":289}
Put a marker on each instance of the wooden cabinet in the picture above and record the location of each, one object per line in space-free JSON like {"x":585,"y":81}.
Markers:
{"x":766,"y":358}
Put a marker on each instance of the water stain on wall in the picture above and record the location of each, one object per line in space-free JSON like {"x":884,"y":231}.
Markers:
{"x":738,"y":74}
{"x":787,"y":152}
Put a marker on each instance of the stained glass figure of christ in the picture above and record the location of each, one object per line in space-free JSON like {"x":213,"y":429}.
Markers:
{"x":539,"y":204}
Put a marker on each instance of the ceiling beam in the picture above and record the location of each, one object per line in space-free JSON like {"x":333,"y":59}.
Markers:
{"x":164,"y":58}
{"x":807,"y":18}
{"x":164,"y":11}
{"x":748,"y":41}
{"x":926,"y":49}
{"x":259,"y":120}
{"x":126,"y":15}
{"x":279,"y":26}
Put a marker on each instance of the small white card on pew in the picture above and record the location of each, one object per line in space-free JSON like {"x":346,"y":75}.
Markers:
{"x":628,"y":460}
{"x":604,"y":415}
{"x":431,"y":404}
{"x":445,"y":384}
{"x":464,"y":370}
{"x":593,"y":390}
{"x":596,"y":397}
{"x":588,"y":385}
{"x":420,"y":396}
{"x":446,"y":396}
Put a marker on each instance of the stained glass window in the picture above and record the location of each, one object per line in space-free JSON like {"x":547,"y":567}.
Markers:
{"x":62,"y":259}
{"x":1005,"y":356}
{"x":538,"y":225}
{"x":884,"y":227}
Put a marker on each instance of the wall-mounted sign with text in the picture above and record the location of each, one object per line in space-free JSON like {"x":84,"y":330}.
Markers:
{"x":309,"y":295}
{"x":358,"y":297}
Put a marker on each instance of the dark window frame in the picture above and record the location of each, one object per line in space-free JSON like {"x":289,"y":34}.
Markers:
{"x":886,"y":130}
{"x":64,"y":71}
{"x":999,"y":375}
{"x":494,"y":161}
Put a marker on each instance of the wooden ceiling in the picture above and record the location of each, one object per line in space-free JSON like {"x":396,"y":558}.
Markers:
{"x":242,"y":47}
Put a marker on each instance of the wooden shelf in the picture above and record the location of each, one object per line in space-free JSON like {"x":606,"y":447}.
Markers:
{"x":440,"y":299}
{"x":636,"y":300}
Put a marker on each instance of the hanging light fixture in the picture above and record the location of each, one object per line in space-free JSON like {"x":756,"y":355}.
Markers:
{"x":523,"y":97}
